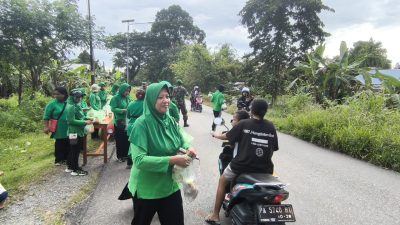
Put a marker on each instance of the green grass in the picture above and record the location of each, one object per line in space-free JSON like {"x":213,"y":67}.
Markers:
{"x":362,"y":127}
{"x":25,"y":160}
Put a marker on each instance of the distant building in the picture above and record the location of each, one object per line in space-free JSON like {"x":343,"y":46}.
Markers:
{"x":376,"y":83}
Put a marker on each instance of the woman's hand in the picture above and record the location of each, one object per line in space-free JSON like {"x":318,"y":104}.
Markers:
{"x":191,"y":152}
{"x":180,"y":160}
{"x":88,"y":122}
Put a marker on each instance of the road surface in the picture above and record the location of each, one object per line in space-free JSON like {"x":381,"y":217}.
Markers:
{"x":326,"y":188}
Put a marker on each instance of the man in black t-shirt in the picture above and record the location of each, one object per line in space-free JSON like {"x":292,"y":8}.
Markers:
{"x":257,"y":141}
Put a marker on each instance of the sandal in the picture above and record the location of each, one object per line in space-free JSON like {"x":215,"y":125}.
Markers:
{"x":212,"y":222}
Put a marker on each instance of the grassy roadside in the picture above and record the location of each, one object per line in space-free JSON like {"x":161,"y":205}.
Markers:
{"x":27,"y":160}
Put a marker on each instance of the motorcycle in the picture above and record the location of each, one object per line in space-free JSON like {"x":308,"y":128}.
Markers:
{"x":197,"y":104}
{"x":254,"y":198}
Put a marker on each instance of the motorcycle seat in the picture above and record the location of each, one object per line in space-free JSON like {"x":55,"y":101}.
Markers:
{"x":260,"y":179}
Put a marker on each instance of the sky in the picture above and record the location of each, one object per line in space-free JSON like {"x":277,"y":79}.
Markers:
{"x":352,"y":21}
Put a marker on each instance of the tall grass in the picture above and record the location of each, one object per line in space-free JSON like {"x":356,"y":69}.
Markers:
{"x":361,"y":127}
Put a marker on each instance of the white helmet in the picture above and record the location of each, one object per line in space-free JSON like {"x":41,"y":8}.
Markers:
{"x":246,"y":89}
{"x":95,"y":87}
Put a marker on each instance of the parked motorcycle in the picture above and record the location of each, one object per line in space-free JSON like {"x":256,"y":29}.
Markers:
{"x":254,"y":198}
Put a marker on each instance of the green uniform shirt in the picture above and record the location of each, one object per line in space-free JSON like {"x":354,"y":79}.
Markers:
{"x":217,"y":100}
{"x":174,"y":111}
{"x":52,"y":111}
{"x":94,"y":100}
{"x":135,"y":110}
{"x":84,"y":105}
{"x":103,"y":97}
{"x":119,"y":103}
{"x":155,"y":139}
{"x":75,"y":118}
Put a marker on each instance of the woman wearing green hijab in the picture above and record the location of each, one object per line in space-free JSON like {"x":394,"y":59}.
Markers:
{"x":119,"y":104}
{"x":155,"y":142}
{"x":103,"y":94}
{"x":114,"y":89}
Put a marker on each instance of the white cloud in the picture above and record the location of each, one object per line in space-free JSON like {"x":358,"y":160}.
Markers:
{"x":201,"y":19}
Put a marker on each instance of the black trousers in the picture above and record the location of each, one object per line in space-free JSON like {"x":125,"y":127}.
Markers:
{"x":121,"y":142}
{"x":61,"y":150}
{"x":73,"y":156}
{"x":169,"y":210}
{"x":95,"y":134}
{"x":216,"y":114}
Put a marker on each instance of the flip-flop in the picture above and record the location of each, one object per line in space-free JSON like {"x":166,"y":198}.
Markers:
{"x":212,"y":222}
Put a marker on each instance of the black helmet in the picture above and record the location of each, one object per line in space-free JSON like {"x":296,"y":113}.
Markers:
{"x":76,"y":93}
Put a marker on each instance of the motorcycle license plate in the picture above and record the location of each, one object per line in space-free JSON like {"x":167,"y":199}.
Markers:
{"x":276,"y":213}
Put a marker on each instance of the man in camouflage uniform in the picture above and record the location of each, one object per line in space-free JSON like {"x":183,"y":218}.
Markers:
{"x":179,"y":94}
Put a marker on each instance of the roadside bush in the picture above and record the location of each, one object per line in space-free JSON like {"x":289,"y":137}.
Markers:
{"x":362,"y":127}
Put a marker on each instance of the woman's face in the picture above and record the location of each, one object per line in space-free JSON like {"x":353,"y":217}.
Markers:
{"x":77,"y":99}
{"x":57,"y":95}
{"x":162,"y":103}
{"x":234,"y":120}
{"x":126,"y":93}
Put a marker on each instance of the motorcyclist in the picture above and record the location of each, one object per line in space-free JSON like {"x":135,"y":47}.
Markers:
{"x":195,"y":92}
{"x":245,"y":100}
{"x":257,"y":141}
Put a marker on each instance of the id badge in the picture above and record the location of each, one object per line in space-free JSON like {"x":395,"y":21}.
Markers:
{"x":73,"y":139}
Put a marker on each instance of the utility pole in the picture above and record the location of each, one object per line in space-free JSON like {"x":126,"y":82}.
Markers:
{"x":92,"y":69}
{"x":127,"y":48}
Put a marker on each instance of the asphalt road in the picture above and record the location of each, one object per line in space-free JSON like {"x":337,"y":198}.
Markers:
{"x":326,"y":188}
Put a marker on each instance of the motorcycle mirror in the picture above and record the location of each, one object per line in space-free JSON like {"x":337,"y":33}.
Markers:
{"x":219,"y":121}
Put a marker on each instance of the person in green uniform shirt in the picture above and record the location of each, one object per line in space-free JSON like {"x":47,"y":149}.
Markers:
{"x":119,"y":106}
{"x":155,"y":143}
{"x":114,"y":89}
{"x":56,"y":110}
{"x":103,"y":94}
{"x":217,"y":100}
{"x":173,"y":108}
{"x":95,"y":103}
{"x":84,"y":104}
{"x":94,"y":98}
{"x":135,"y":110}
{"x":76,"y":132}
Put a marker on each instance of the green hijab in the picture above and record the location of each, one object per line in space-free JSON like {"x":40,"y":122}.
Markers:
{"x":114,"y":89}
{"x":162,"y":128}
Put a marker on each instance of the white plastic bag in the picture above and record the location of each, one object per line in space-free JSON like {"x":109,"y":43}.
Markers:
{"x":89,"y":128}
{"x":187,"y":178}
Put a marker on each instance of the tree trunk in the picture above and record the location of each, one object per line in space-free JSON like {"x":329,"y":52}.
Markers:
{"x":19,"y":88}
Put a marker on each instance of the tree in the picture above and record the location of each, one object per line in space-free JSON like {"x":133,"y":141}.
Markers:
{"x":84,"y":57}
{"x":174,"y":26}
{"x":140,"y":45}
{"x":281,"y":32}
{"x":156,"y":50}
{"x":194,"y":66}
{"x":373,"y":53}
{"x":37,"y":32}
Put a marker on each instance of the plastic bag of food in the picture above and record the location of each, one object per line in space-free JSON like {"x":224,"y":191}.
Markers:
{"x":89,"y":128}
{"x":187,"y":179}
